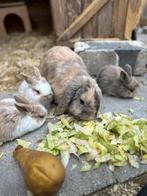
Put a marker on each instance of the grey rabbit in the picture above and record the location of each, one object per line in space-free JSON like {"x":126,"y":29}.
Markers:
{"x":75,"y":91}
{"x":115,"y":81}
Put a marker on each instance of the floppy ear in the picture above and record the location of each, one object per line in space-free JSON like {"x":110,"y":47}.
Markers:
{"x":128,"y":69}
{"x":29,"y":79}
{"x":124,"y":77}
{"x":37,"y":73}
{"x":67,"y":98}
{"x":21,"y":99}
{"x":23,"y":108}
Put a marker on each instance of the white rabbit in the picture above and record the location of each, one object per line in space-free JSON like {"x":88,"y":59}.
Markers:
{"x":36,"y":88}
{"x":19,"y":116}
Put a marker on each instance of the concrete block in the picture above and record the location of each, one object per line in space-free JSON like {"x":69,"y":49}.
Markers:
{"x":144,"y":30}
{"x":79,"y":183}
{"x":141,"y":63}
{"x":76,"y":183}
{"x":127,"y":172}
{"x":129,"y":52}
{"x":94,"y":60}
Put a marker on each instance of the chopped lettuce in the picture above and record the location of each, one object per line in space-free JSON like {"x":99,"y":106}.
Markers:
{"x":139,"y":98}
{"x":1,"y":154}
{"x":131,"y":111}
{"x":116,"y":139}
{"x":86,"y":167}
{"x":23,"y":143}
{"x":65,"y":157}
{"x":74,"y":166}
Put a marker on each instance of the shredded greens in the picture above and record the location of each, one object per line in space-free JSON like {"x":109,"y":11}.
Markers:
{"x":139,"y":98}
{"x":1,"y":154}
{"x":23,"y":143}
{"x":115,"y":138}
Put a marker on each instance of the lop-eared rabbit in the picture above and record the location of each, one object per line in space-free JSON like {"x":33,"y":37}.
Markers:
{"x":36,"y":88}
{"x":75,"y":91}
{"x":115,"y":81}
{"x":19,"y":116}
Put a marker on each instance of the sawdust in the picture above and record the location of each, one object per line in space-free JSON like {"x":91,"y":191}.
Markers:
{"x":20,"y":53}
{"x":125,"y":189}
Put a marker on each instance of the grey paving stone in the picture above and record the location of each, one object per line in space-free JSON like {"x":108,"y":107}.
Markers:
{"x":83,"y":183}
{"x":127,"y":172}
{"x":141,"y":63}
{"x":129,"y":52}
{"x":94,"y":60}
{"x":144,"y":30}
{"x":76,"y":183}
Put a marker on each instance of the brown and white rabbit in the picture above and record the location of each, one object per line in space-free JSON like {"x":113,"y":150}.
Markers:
{"x":19,"y":116}
{"x":115,"y":81}
{"x":36,"y":88}
{"x":74,"y":89}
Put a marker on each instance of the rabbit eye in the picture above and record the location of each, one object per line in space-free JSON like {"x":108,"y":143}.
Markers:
{"x":41,"y":116}
{"x":37,"y":91}
{"x":131,"y":90}
{"x":81,"y":102}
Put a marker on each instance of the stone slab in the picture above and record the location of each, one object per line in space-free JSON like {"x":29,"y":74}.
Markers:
{"x":127,"y":172}
{"x":95,"y":60}
{"x":129,"y":52}
{"x":84,"y":183}
{"x":144,"y":30}
{"x":76,"y":183}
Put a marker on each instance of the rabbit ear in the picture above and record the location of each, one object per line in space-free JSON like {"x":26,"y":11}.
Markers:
{"x":37,"y":73}
{"x":87,"y":85}
{"x":128,"y":69}
{"x":124,"y":77}
{"x":21,"y":99}
{"x":29,"y":79}
{"x":23,"y":108}
{"x":67,"y":98}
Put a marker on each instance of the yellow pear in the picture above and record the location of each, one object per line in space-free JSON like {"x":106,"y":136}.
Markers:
{"x":43,"y":172}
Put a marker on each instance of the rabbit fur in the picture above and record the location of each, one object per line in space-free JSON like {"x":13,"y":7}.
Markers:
{"x":36,"y":88}
{"x":115,"y":81}
{"x":19,"y":116}
{"x":75,"y":91}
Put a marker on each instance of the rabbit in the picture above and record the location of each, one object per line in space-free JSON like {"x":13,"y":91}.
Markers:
{"x":36,"y":88}
{"x":75,"y":91}
{"x":115,"y":81}
{"x":19,"y":116}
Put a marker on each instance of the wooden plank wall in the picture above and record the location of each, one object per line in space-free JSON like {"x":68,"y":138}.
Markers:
{"x":119,"y":17}
{"x":110,"y":21}
{"x":90,"y":29}
{"x":143,"y":19}
{"x":59,"y":13}
{"x":105,"y":21}
{"x":132,"y":17}
{"x":73,"y":11}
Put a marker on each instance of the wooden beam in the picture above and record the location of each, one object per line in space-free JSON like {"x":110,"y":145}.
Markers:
{"x":88,"y":13}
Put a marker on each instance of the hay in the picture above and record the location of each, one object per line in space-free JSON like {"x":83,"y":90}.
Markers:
{"x":20,"y":53}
